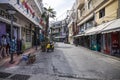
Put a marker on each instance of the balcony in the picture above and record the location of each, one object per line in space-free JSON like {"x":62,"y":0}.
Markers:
{"x":80,"y":3}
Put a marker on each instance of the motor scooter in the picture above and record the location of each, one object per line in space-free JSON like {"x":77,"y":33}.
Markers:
{"x":50,"y":47}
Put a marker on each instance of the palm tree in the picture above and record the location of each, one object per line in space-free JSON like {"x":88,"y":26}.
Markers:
{"x":48,"y":13}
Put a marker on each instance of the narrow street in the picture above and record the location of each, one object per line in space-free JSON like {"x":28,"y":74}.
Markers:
{"x":67,"y":62}
{"x":29,"y":28}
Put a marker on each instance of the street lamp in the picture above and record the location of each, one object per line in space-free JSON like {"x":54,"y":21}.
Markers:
{"x":37,"y":34}
{"x":11,"y":12}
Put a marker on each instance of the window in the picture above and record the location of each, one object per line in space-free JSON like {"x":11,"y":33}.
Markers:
{"x":81,"y":28}
{"x":89,"y":24}
{"x":82,"y":12}
{"x":90,"y":4}
{"x":102,"y":13}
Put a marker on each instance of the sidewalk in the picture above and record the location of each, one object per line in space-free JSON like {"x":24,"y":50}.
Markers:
{"x":103,"y":54}
{"x":5,"y":62}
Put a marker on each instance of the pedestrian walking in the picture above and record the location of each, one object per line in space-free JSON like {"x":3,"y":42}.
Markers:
{"x":3,"y":46}
{"x":8,"y":44}
{"x":13,"y":47}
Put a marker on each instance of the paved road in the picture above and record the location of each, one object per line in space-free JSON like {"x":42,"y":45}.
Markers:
{"x":68,"y":62}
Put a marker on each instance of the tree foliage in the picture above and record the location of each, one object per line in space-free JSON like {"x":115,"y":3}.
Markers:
{"x":48,"y":12}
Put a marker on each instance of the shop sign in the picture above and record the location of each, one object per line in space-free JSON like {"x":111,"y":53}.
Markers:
{"x":5,"y":15}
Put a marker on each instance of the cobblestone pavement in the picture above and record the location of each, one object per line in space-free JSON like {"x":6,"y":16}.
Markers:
{"x":67,"y":62}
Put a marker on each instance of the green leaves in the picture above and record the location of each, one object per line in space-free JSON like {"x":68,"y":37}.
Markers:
{"x":49,"y":12}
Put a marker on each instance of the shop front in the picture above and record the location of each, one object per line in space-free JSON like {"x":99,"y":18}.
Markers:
{"x":26,"y":38}
{"x":81,"y":39}
{"x":107,"y":43}
{"x":33,"y":37}
{"x":5,"y":29}
{"x":94,"y":42}
{"x":2,"y":29}
{"x":112,"y":38}
{"x":115,"y":43}
{"x":87,"y":41}
{"x":96,"y":37}
{"x":111,"y":43}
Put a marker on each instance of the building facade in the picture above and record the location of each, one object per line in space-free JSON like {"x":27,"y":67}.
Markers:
{"x":72,"y":20}
{"x":94,"y":17}
{"x":58,"y":31}
{"x":25,"y":21}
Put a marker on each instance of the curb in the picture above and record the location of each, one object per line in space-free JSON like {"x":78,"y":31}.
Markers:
{"x":103,"y":54}
{"x":110,"y":56}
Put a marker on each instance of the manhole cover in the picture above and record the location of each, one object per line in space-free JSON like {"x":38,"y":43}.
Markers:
{"x":20,"y":77}
{"x":4,"y":75}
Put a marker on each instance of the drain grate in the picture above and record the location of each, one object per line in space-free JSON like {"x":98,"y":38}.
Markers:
{"x":20,"y":77}
{"x":4,"y":75}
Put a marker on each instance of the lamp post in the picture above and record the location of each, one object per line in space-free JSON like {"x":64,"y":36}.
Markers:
{"x":37,"y":33}
{"x":11,"y":12}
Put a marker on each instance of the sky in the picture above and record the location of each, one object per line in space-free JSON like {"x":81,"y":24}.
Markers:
{"x":60,"y":6}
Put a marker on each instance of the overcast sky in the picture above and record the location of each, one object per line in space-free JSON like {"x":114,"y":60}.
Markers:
{"x":60,"y":6}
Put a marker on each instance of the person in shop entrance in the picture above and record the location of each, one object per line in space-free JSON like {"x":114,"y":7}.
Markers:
{"x":8,"y":44}
{"x":3,"y":47}
{"x":13,"y":47}
{"x":115,"y":47}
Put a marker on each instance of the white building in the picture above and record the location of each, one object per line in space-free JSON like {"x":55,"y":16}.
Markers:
{"x":58,"y":30}
{"x":26,"y":19}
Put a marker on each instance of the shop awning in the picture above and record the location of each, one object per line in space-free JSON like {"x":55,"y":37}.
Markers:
{"x":115,"y":26}
{"x":98,"y":29}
